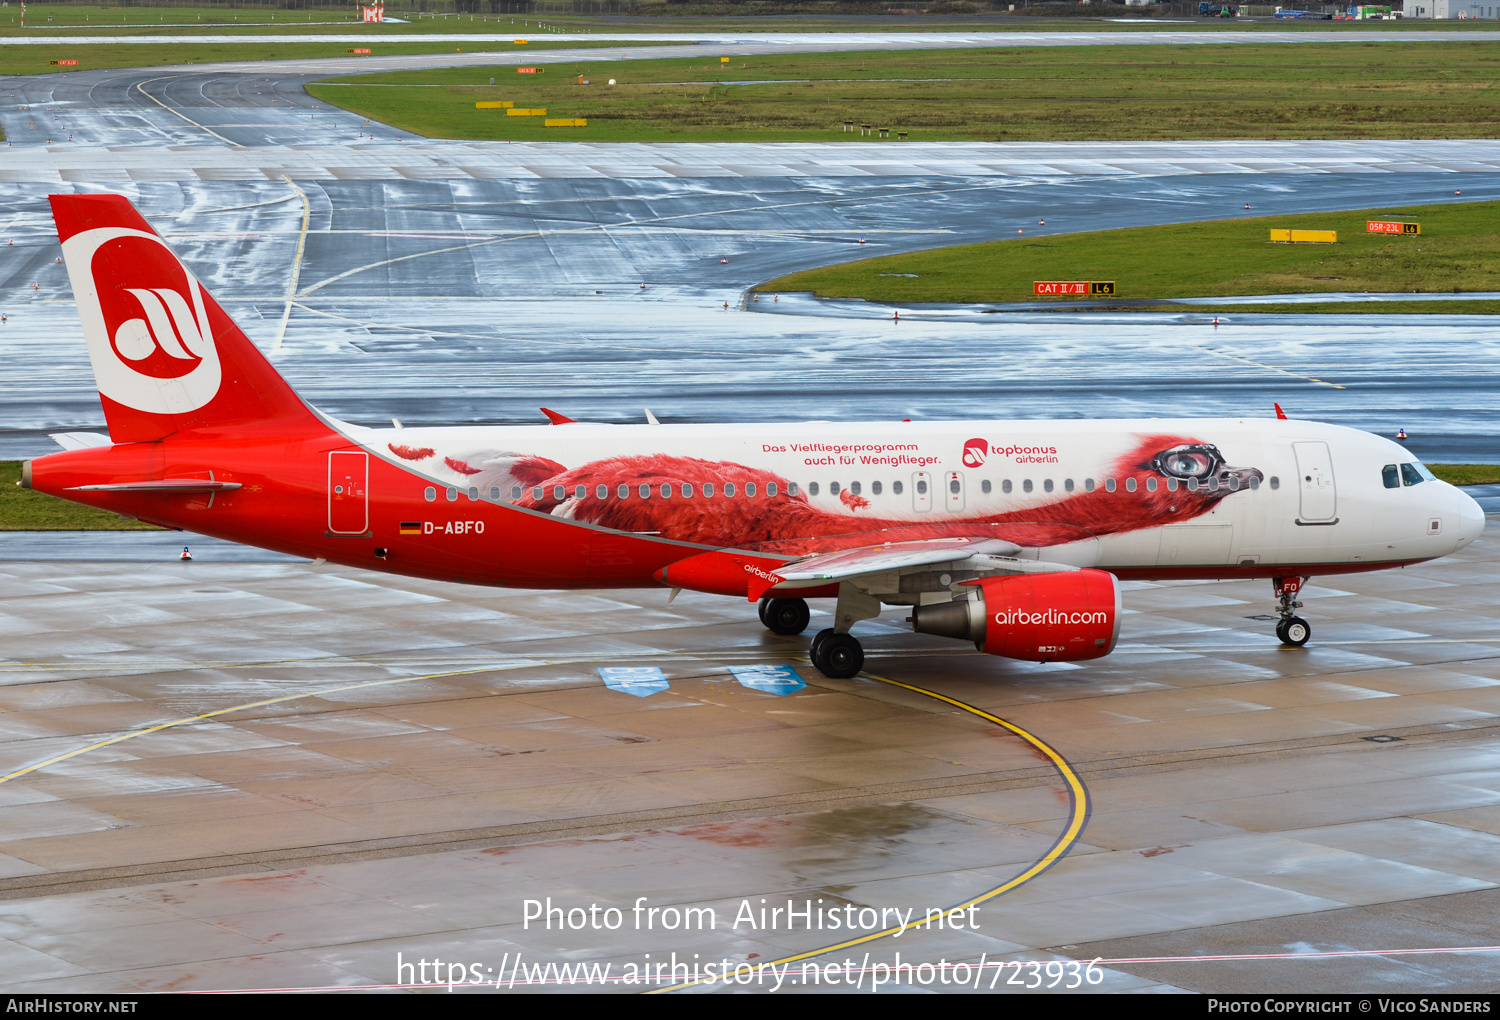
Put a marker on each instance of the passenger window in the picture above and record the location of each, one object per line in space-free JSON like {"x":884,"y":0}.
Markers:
{"x":494,"y":492}
{"x":791,"y":488}
{"x":666,"y":491}
{"x":687,"y":491}
{"x":645,"y":491}
{"x":812,"y":488}
{"x":515,"y":492}
{"x":1130,"y":485}
{"x":1067,"y":485}
{"x":623,"y":491}
{"x":708,"y":489}
{"x":954,"y":486}
{"x":875,"y":488}
{"x":729,"y":488}
{"x":558,"y":492}
{"x":1088,"y":485}
{"x":1171,"y":485}
{"x":854,"y":488}
{"x":452,"y":494}
{"x":1047,"y":485}
{"x":1109,"y":485}
{"x":1006,"y":486}
{"x":921,"y":487}
{"x":833,"y":488}
{"x":1026,"y":485}
{"x":1275,"y":482}
{"x":581,"y":492}
{"x":984,"y":486}
{"x":1151,"y":484}
{"x":1192,"y":485}
{"x":1254,"y":482}
{"x":1409,"y":475}
{"x":601,"y":492}
{"x":430,"y":493}
{"x":749,"y":488}
{"x":473,"y":493}
{"x":1390,"y":476}
{"x":770,"y":488}
{"x":896,"y":488}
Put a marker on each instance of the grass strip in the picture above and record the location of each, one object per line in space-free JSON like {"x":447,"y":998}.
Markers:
{"x":1459,"y":248}
{"x":1104,"y":93}
{"x":29,"y":510}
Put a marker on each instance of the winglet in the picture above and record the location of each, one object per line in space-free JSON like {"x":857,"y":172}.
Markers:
{"x":1280,"y":413}
{"x":558,"y":419}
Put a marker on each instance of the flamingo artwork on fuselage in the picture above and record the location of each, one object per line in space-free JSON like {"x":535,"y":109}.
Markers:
{"x":1011,"y":534}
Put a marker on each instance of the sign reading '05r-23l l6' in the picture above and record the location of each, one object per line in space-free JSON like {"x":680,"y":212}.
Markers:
{"x":1391,"y":227}
{"x":1073,"y":288}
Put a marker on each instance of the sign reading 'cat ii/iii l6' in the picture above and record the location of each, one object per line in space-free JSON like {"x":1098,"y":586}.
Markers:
{"x":1073,"y":288}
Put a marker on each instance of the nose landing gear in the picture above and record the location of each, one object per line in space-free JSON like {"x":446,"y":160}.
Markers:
{"x":1292,"y":630}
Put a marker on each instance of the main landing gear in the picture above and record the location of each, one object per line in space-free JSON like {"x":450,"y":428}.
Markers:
{"x":784,"y":616}
{"x":1292,"y":630}
{"x":835,"y":652}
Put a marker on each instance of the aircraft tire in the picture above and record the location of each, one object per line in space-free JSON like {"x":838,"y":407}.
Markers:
{"x":761,"y":608}
{"x":840,"y":656}
{"x":786,"y":616}
{"x":1296,"y":632}
{"x":817,"y":642}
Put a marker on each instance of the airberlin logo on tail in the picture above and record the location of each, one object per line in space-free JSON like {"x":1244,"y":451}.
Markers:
{"x":144,"y":319}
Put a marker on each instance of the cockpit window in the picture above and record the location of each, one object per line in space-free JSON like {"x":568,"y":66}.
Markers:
{"x":1422,"y":470}
{"x":1391,"y":476}
{"x":1410,"y":475}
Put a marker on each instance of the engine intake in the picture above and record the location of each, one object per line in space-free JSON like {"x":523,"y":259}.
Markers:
{"x":1063,"y":617}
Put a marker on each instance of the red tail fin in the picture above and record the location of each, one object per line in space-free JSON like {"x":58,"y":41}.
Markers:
{"x":166,"y":357}
{"x":1280,"y":413}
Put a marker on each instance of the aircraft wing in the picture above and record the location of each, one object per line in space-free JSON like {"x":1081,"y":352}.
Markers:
{"x":898,"y":556}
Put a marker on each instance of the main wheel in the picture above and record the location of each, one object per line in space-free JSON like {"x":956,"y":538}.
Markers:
{"x":786,"y":616}
{"x":1295,"y":632}
{"x":817,"y":642}
{"x":840,"y":656}
{"x":761,"y":608}
{"x":1281,"y":630}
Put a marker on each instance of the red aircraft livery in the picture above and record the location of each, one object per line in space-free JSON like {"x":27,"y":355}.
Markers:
{"x":1009,"y":534}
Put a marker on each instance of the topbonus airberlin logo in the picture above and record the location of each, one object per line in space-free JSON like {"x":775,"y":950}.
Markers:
{"x":975,"y":452}
{"x":144,"y":321}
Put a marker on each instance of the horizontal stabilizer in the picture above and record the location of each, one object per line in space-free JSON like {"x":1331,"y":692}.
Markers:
{"x":78,"y":440}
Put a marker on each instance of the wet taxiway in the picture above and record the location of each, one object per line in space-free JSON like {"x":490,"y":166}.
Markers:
{"x":363,"y":766}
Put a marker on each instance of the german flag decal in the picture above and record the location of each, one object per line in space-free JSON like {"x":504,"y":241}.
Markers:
{"x":411,"y":527}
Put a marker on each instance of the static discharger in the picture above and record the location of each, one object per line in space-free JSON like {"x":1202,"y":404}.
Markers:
{"x":1305,"y":236}
{"x":1392,"y":227}
{"x":1073,"y":288}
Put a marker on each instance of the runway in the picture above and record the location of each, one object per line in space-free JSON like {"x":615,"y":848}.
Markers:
{"x":255,"y":772}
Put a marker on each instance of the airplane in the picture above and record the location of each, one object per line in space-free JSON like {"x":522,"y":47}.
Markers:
{"x":1014,"y":535}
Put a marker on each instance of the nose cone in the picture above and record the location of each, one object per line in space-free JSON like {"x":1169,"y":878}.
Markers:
{"x":1469,"y":516}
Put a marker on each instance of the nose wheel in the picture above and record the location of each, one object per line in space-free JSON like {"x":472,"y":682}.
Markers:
{"x":837,"y":655}
{"x":1292,"y":631}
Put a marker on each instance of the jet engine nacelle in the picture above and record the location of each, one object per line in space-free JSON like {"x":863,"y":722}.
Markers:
{"x":1061,"y":617}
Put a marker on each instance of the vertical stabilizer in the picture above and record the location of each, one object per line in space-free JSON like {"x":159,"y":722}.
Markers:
{"x":166,"y":357}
